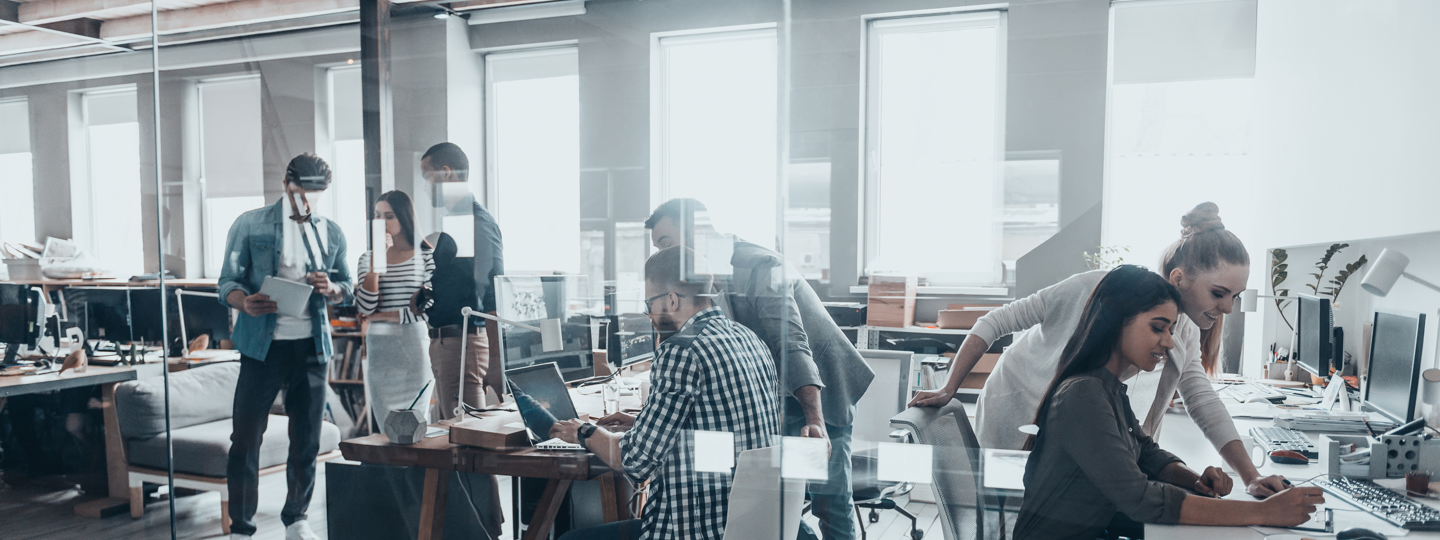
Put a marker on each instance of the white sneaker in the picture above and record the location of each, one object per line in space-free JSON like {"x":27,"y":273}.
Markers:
{"x":300,"y":530}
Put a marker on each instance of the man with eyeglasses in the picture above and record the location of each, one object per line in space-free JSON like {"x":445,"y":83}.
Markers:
{"x":713,"y":384}
{"x":821,"y":372}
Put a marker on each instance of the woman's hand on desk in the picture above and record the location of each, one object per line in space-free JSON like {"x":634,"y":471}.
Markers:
{"x":1266,"y":486}
{"x":1292,"y":507}
{"x":618,"y":421}
{"x":1214,"y":482}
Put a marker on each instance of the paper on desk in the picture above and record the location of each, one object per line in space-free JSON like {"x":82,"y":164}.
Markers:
{"x":1250,"y":410}
{"x":1347,"y":517}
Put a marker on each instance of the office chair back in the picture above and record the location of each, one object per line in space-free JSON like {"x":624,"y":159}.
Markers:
{"x":956,"y":464}
{"x":761,"y":502}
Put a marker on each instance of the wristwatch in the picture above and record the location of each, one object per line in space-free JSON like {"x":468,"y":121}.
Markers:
{"x":584,"y":433}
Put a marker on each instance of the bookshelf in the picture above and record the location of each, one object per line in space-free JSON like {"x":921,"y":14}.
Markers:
{"x":347,"y":372}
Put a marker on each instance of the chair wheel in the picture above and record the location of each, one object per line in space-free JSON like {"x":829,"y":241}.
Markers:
{"x":917,"y":534}
{"x":874,"y":516}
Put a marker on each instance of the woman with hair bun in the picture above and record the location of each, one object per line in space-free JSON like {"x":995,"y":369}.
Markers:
{"x":1208,"y":265}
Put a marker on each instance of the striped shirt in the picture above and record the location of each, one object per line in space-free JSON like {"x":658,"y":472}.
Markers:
{"x":397,"y":286}
{"x":713,"y":375}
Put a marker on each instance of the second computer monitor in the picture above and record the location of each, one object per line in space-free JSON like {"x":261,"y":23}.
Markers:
{"x":1313,"y":346}
{"x":1394,"y":373}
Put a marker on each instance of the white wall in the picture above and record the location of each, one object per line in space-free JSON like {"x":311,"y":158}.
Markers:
{"x":1344,"y":128}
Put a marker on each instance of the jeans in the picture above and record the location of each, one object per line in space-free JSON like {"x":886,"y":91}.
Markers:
{"x":294,"y":366}
{"x":620,"y":530}
{"x":831,"y":501}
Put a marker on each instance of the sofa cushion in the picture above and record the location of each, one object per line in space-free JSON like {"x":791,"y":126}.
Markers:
{"x":205,"y":449}
{"x":197,"y":396}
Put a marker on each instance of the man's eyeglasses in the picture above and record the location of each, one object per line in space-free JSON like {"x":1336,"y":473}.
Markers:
{"x":657,"y":297}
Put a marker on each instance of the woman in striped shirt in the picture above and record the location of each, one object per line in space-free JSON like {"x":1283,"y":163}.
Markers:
{"x":396,"y":366}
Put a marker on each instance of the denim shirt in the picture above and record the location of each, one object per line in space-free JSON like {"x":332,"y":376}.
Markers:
{"x":252,"y":252}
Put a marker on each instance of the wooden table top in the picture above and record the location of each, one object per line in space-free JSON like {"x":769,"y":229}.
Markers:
{"x":34,"y":384}
{"x":116,"y":282}
{"x":439,"y":453}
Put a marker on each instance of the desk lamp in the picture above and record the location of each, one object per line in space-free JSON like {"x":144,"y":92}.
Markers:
{"x":550,"y":340}
{"x":1386,"y":270}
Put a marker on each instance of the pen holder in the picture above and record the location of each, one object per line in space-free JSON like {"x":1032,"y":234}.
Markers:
{"x":405,"y":426}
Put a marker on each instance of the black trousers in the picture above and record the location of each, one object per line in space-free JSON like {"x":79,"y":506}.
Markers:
{"x":295,"y":366}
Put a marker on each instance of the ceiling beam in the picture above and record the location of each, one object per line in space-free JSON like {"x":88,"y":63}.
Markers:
{"x":59,"y":10}
{"x":223,"y":15}
{"x":486,"y":4}
{"x":32,"y":41}
{"x":55,"y":35}
{"x":9,"y":11}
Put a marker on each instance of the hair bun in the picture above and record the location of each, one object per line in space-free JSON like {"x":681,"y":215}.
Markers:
{"x":1205,"y":217}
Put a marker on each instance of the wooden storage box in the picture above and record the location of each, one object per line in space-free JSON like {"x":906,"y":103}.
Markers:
{"x":891,"y":301}
{"x":496,"y":432}
{"x":961,"y":316}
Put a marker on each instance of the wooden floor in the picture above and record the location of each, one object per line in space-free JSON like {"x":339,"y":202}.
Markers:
{"x":41,"y":508}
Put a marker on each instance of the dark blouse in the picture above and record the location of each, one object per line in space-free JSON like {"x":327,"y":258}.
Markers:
{"x":1091,"y":460}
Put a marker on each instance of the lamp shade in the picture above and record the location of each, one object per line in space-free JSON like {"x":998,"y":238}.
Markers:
{"x":1384,"y":272}
{"x":1249,"y":300}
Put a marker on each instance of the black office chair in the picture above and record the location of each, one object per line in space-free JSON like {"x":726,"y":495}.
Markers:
{"x":870,"y":493}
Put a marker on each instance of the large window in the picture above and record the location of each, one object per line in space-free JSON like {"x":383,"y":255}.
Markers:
{"x":935,"y":147}
{"x":105,"y":181}
{"x":713,"y":127}
{"x":17,"y":222}
{"x":231,"y":168}
{"x":342,"y":145}
{"x":533,"y":143}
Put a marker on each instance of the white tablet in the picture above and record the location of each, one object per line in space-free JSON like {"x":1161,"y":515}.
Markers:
{"x":290,"y":297}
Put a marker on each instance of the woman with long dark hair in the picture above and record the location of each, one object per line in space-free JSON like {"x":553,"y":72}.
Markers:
{"x":1208,"y":265}
{"x":1093,"y":472}
{"x":396,"y":369}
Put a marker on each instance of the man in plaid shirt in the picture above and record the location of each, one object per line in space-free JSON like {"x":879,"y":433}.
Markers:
{"x":709,"y":375}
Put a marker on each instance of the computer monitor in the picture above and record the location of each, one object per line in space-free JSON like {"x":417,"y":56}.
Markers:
{"x":101,"y":312}
{"x":203,"y":314}
{"x":1396,"y":346}
{"x":18,"y":318}
{"x":531,"y":299}
{"x":1315,"y":330}
{"x":146,"y":322}
{"x":632,"y":339}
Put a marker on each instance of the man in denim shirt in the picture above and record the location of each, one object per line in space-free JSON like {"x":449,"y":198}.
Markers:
{"x":280,"y":351}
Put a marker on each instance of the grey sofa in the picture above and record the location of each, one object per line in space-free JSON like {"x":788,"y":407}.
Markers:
{"x":200,"y":408}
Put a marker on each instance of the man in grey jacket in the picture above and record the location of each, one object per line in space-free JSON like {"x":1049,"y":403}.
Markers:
{"x":820,"y":369}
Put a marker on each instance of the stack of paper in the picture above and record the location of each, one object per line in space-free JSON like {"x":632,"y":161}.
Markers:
{"x":1333,"y":422}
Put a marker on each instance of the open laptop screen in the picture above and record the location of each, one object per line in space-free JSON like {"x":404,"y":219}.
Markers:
{"x":541,"y":395}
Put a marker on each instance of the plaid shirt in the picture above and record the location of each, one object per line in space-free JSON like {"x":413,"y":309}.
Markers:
{"x":712,"y":375}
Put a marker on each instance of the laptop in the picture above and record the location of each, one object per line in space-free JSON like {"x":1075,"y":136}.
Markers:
{"x":543,"y":399}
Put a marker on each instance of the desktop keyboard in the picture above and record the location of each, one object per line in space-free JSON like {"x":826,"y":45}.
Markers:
{"x":1243,"y":391}
{"x":1383,"y":503}
{"x":1278,"y":438}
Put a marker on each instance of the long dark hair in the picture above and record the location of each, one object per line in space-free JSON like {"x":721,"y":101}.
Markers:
{"x":404,"y":211}
{"x":1124,"y":293}
{"x":1203,"y":245}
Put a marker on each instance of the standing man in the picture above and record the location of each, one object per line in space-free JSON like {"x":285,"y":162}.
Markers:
{"x":281,"y":351}
{"x":820,"y":369}
{"x":709,"y":374}
{"x":462,"y":280}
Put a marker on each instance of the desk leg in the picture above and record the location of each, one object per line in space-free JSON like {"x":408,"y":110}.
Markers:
{"x":116,"y":471}
{"x":613,"y":496}
{"x":432,"y":505}
{"x":544,"y":518}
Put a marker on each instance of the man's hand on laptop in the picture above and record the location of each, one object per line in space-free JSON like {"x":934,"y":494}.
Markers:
{"x":566,"y":430}
{"x":617,"y":422}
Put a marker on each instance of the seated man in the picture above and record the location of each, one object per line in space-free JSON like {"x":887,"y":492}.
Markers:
{"x":709,"y":374}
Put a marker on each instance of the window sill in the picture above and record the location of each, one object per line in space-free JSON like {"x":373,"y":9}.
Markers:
{"x":945,"y":291}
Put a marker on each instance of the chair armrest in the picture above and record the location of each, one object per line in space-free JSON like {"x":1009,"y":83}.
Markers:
{"x":912,"y":418}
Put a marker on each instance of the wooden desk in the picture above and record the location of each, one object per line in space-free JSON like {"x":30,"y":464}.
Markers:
{"x":439,"y":457}
{"x":50,"y":284}
{"x":107,"y":377}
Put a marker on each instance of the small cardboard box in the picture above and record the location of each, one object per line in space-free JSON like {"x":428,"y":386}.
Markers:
{"x":498,"y":432}
{"x":961,"y":316}
{"x":891,"y":301}
{"x":981,"y":372}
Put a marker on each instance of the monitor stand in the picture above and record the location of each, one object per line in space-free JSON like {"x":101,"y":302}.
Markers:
{"x":1336,"y":398}
{"x":11,"y":351}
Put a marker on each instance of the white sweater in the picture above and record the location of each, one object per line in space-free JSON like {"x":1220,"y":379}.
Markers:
{"x":1047,"y":319}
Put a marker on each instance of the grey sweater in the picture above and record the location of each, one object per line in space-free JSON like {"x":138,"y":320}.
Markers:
{"x":807,"y":346}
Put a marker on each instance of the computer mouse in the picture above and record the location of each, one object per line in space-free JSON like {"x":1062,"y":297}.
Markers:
{"x":1289,"y":457}
{"x":1358,"y":533}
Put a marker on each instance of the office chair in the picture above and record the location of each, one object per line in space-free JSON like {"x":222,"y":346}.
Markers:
{"x":956,"y":466}
{"x":870,"y":493}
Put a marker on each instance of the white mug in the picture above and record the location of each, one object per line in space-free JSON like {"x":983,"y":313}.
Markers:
{"x":1255,"y":452}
